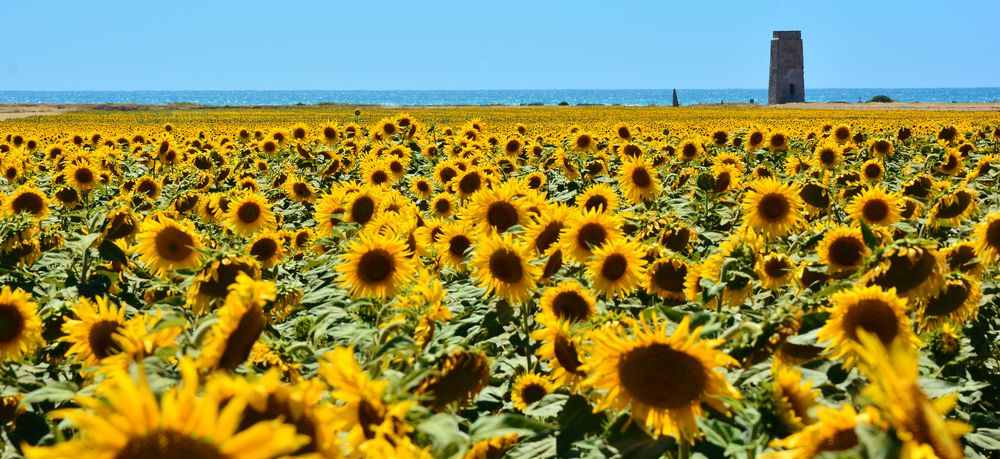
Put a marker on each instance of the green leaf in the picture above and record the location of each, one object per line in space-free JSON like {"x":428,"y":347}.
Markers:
{"x":495,"y":426}
{"x":869,"y":236}
{"x":985,"y":438}
{"x":56,"y":392}
{"x":443,"y":432}
{"x":548,"y":406}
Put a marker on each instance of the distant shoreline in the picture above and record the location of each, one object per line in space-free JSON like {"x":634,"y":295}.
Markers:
{"x":11,"y":111}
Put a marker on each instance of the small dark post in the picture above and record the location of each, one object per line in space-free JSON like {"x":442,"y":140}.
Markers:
{"x":676,"y":103}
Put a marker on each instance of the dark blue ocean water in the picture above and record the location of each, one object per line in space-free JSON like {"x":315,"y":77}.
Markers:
{"x":490,"y":97}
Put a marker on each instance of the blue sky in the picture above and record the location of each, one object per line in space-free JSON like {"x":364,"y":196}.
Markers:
{"x":538,"y":44}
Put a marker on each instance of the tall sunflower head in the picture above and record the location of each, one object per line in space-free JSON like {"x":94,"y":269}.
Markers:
{"x":616,"y":268}
{"x":638,"y":180}
{"x":500,"y":265}
{"x":957,"y":301}
{"x":165,"y":244}
{"x":497,"y":210}
{"x":842,"y":249}
{"x":586,"y":231}
{"x":375,"y":265}
{"x":870,"y":309}
{"x":664,"y":378}
{"x":772,"y":208}
{"x":20,"y":327}
{"x":665,"y":278}
{"x":249,"y":214}
{"x":529,"y":388}
{"x":875,"y":206}
{"x":241,"y":321}
{"x":28,"y":200}
{"x":568,"y":301}
{"x":560,"y":348}
{"x":987,"y":236}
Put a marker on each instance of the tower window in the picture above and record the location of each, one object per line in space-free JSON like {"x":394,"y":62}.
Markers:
{"x":791,"y":89}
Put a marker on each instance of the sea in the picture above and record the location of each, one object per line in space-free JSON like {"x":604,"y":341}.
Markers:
{"x":633,"y":97}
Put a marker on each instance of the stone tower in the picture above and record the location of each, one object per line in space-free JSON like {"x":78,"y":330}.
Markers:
{"x":787,"y":83}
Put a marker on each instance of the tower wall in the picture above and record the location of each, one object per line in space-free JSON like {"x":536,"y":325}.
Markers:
{"x":787,"y":80}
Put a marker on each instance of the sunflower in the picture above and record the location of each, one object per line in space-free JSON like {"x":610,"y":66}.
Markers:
{"x":871,"y":309}
{"x":586,"y":231}
{"x":828,"y":155}
{"x":772,"y":208}
{"x":875,"y":206}
{"x":250,"y":214}
{"x":755,"y":140}
{"x":778,"y":141}
{"x":918,"y":422}
{"x":28,"y":200}
{"x":457,"y":379}
{"x":454,"y":243}
{"x":500,"y":265}
{"x":689,"y":149}
{"x":914,"y":269}
{"x":793,"y":398}
{"x":954,"y":208}
{"x":568,"y":301}
{"x":529,"y":388}
{"x":543,"y":232}
{"x":300,"y":190}
{"x":616,"y":268}
{"x":638,"y":180}
{"x":842,"y":249}
{"x":775,"y":270}
{"x":663,"y":378}
{"x":987,"y":236}
{"x":100,"y":331}
{"x":881,"y":148}
{"x":962,"y":258}
{"x":363,"y":413}
{"x":872,"y":171}
{"x":165,"y":244}
{"x":678,"y":237}
{"x":20,"y":327}
{"x":241,"y":321}
{"x":267,"y":248}
{"x":951,"y":163}
{"x":833,"y":431}
{"x":129,"y":420}
{"x":842,"y":134}
{"x":560,"y":349}
{"x":82,"y":176}
{"x":470,"y":183}
{"x":599,"y":197}
{"x":957,"y":302}
{"x":492,"y":448}
{"x":375,"y":265}
{"x":496,"y":210}
{"x":665,"y":278}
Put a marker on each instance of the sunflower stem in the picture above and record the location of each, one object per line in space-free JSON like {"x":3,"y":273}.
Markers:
{"x":683,"y":450}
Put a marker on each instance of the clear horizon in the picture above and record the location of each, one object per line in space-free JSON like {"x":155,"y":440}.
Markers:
{"x":483,"y":89}
{"x":185,"y":46}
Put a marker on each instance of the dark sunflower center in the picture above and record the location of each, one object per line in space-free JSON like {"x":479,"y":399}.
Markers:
{"x":993,"y":235}
{"x":11,"y":323}
{"x":905,"y":275}
{"x":596,"y":202}
{"x":458,"y":245}
{"x":963,"y":258}
{"x":67,"y":195}
{"x":846,"y":251}
{"x":676,"y":239}
{"x":470,"y":183}
{"x":217,"y":285}
{"x":756,"y":138}
{"x":369,"y":415}
{"x":774,"y":207}
{"x":591,"y":235}
{"x":776,"y":268}
{"x":662,"y":377}
{"x":689,"y":150}
{"x":379,"y":177}
{"x":571,"y":305}
{"x":669,"y":277}
{"x":583,"y":141}
{"x":240,"y":342}
{"x":838,"y":441}
{"x":376,"y":266}
{"x":614,"y":267}
{"x":533,"y":393}
{"x":84,"y":176}
{"x":264,"y":249}
{"x":423,"y":187}
{"x":961,"y":201}
{"x":950,"y":300}
{"x":842,"y":134}
{"x":31,"y":203}
{"x":468,"y":375}
{"x":827,"y":156}
{"x":505,"y":266}
{"x":362,"y":209}
{"x":566,"y":355}
{"x":873,"y":171}
{"x":534,"y":183}
{"x":548,"y":236}
{"x":553,"y":264}
{"x":248,"y":212}
{"x":102,"y":338}
{"x":173,"y":244}
{"x":168,"y":444}
{"x":146,"y":187}
{"x":301,"y":190}
{"x":778,"y":140}
{"x":875,"y":210}
{"x":121,"y":225}
{"x":874,"y":316}
{"x":501,"y":215}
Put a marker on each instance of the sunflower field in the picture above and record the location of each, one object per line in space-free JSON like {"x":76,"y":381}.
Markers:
{"x":332,"y":282}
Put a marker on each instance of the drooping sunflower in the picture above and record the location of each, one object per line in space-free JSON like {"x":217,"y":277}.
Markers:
{"x":543,"y":232}
{"x":375,"y":265}
{"x":213,"y":281}
{"x":875,"y":206}
{"x":586,"y":231}
{"x":915,"y":269}
{"x":29,"y":200}
{"x":665,"y":278}
{"x":458,"y":379}
{"x":560,"y":348}
{"x":638,"y":180}
{"x":834,"y":431}
{"x":956,"y":207}
{"x":987,"y":236}
{"x":918,"y":422}
{"x":363,"y":413}
{"x":568,"y":301}
{"x":961,"y":257}
{"x":842,"y":249}
{"x":249,"y":214}
{"x":871,"y":309}
{"x":772,"y":208}
{"x":128,"y":420}
{"x":241,"y":321}
{"x":529,"y":388}
{"x":616,"y":268}
{"x":300,"y":190}
{"x":793,"y":398}
{"x":267,"y":248}
{"x":492,"y":448}
{"x":664,"y":378}
{"x":500,"y":265}
{"x":165,"y":244}
{"x":957,"y":302}
{"x":20,"y":327}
